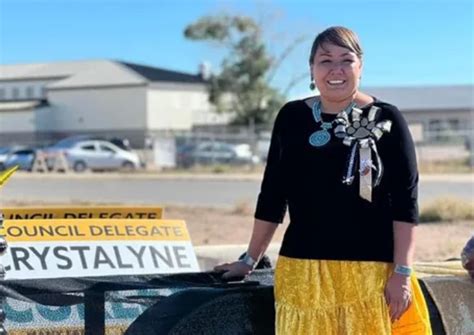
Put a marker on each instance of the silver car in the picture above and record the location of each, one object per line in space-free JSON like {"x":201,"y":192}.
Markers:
{"x":221,"y":153}
{"x":23,"y":157}
{"x":96,"y":155}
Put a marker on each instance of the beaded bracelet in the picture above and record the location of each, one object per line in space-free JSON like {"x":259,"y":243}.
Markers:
{"x":403,"y":270}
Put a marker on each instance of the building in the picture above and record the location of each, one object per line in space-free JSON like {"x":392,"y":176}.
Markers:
{"x":432,"y":109}
{"x":40,"y":103}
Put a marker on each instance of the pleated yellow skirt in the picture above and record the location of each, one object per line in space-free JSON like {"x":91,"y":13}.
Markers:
{"x":341,"y":298}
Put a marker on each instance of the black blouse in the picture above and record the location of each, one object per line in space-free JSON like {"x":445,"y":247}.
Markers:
{"x":328,"y":219}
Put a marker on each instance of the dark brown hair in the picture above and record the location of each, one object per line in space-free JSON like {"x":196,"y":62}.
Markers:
{"x":340,"y":36}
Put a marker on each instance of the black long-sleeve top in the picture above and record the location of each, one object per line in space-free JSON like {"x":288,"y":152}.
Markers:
{"x":328,"y":219}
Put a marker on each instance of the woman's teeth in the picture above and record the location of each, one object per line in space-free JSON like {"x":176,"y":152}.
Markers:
{"x":336,"y":82}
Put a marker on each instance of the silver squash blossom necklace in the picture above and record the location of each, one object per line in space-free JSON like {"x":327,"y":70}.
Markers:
{"x":321,"y":137}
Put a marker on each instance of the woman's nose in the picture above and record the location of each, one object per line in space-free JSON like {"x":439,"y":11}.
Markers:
{"x":337,"y":67}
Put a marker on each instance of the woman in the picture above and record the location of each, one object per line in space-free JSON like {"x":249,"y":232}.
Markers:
{"x":345,"y":165}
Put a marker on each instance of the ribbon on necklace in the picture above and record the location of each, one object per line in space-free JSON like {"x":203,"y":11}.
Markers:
{"x":361,"y":134}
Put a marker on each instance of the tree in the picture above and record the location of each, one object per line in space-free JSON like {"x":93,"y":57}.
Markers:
{"x":243,"y":84}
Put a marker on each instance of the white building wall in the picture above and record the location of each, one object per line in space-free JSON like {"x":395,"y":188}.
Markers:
{"x":95,"y":109}
{"x":171,"y":109}
{"x":17,"y":121}
{"x":441,"y":119}
{"x":26,"y":89}
{"x":174,"y":106}
{"x":208,"y":115}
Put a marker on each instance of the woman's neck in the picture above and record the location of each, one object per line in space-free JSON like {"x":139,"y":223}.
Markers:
{"x":336,"y":106}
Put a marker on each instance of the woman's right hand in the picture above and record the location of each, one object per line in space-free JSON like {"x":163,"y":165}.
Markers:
{"x":236,"y":270}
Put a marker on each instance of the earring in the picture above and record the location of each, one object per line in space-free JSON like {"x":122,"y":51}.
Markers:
{"x":312,"y":86}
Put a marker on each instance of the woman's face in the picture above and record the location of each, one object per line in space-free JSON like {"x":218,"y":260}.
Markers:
{"x":336,"y":71}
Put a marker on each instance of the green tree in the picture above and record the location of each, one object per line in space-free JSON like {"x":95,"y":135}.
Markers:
{"x":243,"y":84}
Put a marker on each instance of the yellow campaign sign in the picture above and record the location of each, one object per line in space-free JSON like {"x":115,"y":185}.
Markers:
{"x":60,"y":248}
{"x":95,"y":230}
{"x":4,"y":176}
{"x":101,"y":212}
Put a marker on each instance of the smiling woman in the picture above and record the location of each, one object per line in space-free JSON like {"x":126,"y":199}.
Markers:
{"x":336,"y":65}
{"x":344,"y":163}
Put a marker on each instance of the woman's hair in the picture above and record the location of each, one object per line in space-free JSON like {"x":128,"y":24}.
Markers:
{"x":340,"y":36}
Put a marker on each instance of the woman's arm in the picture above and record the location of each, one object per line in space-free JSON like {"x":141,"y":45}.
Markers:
{"x":398,"y":290}
{"x":404,"y":200}
{"x":262,"y":234}
{"x":404,"y":243}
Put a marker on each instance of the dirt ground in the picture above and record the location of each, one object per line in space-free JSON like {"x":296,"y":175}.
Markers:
{"x":207,"y":226}
{"x":217,"y":226}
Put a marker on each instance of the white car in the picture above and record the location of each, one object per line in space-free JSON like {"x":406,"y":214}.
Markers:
{"x":96,"y":155}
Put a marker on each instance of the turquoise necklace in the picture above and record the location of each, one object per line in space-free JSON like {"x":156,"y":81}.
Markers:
{"x":321,"y":137}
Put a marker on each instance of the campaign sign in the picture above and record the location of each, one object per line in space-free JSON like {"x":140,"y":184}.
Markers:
{"x":102,"y":212}
{"x":96,"y":247}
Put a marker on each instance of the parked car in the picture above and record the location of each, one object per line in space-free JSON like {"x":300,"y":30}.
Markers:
{"x":263,"y":145}
{"x":206,"y":153}
{"x":3,"y":156}
{"x":23,"y":157}
{"x":122,"y":143}
{"x":5,"y":151}
{"x":82,"y":155}
{"x":184,"y":155}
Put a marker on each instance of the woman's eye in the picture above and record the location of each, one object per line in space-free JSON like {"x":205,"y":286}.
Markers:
{"x":326,"y":61}
{"x":348,"y":61}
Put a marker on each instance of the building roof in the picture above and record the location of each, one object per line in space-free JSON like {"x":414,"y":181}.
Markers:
{"x":426,"y":97}
{"x":94,"y":73}
{"x":157,"y":74}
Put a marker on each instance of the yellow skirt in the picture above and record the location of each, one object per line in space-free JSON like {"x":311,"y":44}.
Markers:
{"x":341,"y":298}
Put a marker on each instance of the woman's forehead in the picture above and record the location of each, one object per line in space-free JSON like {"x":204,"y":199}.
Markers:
{"x":330,"y":49}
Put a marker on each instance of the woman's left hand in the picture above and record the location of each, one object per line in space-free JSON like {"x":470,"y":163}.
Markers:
{"x":398,"y":295}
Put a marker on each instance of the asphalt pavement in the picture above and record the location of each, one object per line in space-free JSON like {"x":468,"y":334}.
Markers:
{"x":189,"y":190}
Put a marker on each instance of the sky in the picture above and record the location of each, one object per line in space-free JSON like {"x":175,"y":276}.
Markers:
{"x":405,"y":42}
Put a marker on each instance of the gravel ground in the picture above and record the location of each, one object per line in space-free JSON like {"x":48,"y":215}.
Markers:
{"x":207,"y":226}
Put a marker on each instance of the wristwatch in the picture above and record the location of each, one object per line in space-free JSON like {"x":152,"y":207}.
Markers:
{"x":247,"y":259}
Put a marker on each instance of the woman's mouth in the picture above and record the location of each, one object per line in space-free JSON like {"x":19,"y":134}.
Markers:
{"x":336,"y":83}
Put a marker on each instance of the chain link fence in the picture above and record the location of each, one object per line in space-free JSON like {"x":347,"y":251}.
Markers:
{"x":248,"y":146}
{"x":205,"y":146}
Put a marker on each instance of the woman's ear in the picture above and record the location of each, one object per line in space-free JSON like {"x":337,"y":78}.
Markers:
{"x":361,"y":67}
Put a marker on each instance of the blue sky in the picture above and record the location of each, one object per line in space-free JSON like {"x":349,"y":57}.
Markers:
{"x":406,"y":42}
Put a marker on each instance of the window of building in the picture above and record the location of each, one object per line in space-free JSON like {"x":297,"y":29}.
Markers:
{"x":43,"y":92}
{"x":15,"y":93}
{"x":454,"y":124}
{"x":435,"y":125}
{"x":29,"y":92}
{"x":2,"y":93}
